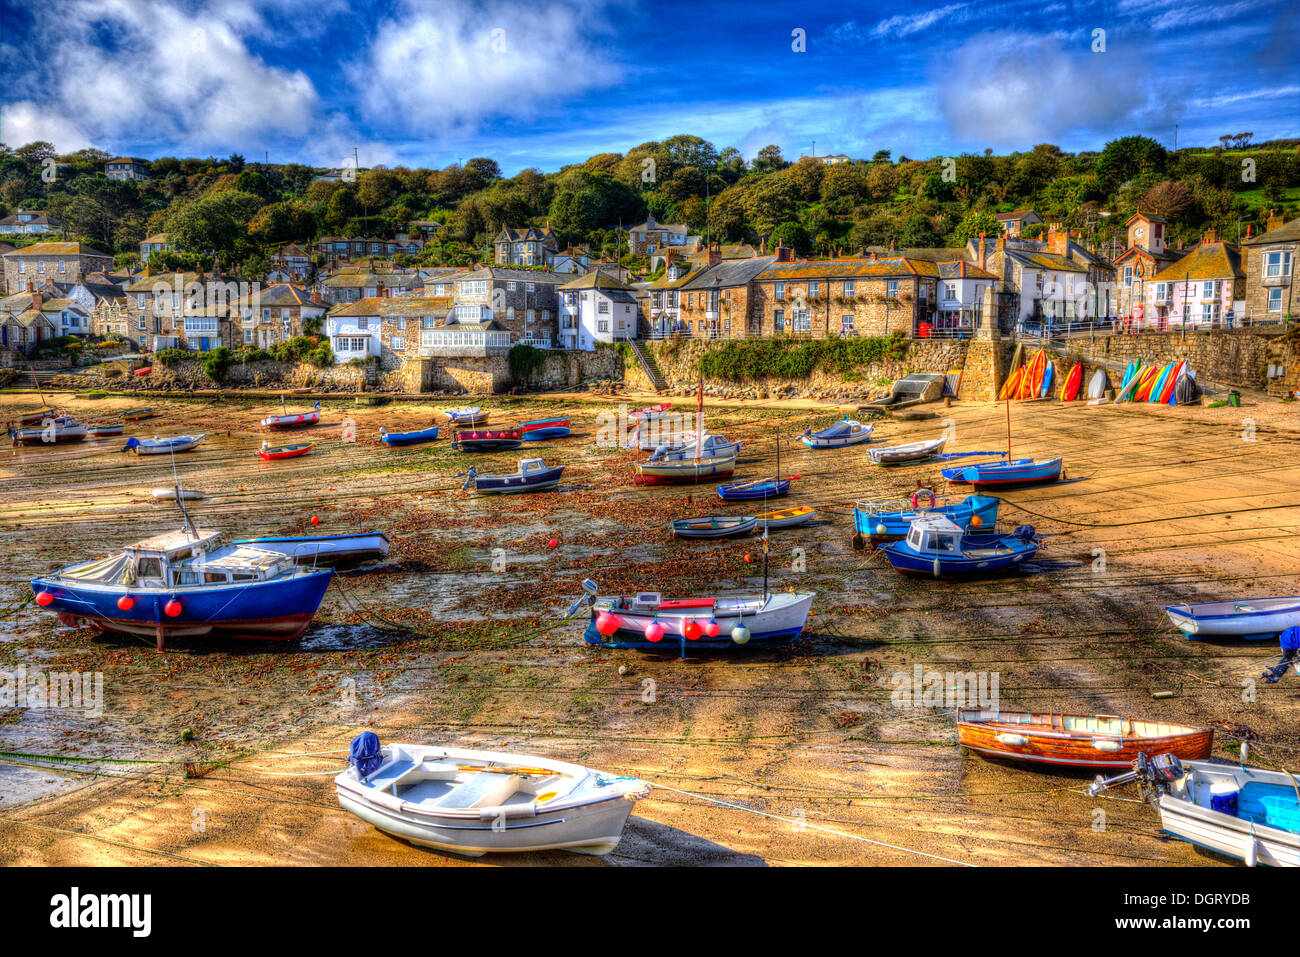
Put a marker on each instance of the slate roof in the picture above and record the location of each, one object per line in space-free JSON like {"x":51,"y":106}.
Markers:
{"x":57,"y":249}
{"x":516,"y":275}
{"x":396,"y":306}
{"x":1287,"y":232}
{"x":726,"y":274}
{"x":857,"y":268}
{"x":596,"y":279}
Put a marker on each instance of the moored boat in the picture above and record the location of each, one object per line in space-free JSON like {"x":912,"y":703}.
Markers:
{"x":468,"y":416}
{"x":842,"y":433}
{"x":935,"y":547}
{"x":539,"y":430}
{"x":162,"y":446}
{"x":105,"y":431}
{"x":173,"y":494}
{"x":408,"y":438}
{"x":910,"y":452}
{"x":138,"y":415}
{"x":346,"y":549}
{"x":1069,"y":740}
{"x":650,"y":413}
{"x":533,"y":475}
{"x":1001,"y":475}
{"x":487,"y":440}
{"x":187,"y":584}
{"x":684,"y":470}
{"x":957,"y":474}
{"x":63,"y":428}
{"x":271,"y":453}
{"x":293,"y":420}
{"x":786,"y":517}
{"x":759,"y":489}
{"x":1246,"y":813}
{"x":884,"y":519}
{"x":1251,"y":618}
{"x":476,"y":802}
{"x":712,"y":526}
{"x":711,"y":446}
{"x":646,"y":619}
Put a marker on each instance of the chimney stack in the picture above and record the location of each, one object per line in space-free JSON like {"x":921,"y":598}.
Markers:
{"x":715,"y":254}
{"x":1248,"y":229}
{"x":983,"y":251}
{"x":316,"y":296}
{"x":1057,"y":239}
{"x":1274,"y":221}
{"x":37,"y":300}
{"x":784,"y":254}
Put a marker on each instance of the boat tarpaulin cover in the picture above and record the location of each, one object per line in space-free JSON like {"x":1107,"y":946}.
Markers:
{"x":364,"y":753}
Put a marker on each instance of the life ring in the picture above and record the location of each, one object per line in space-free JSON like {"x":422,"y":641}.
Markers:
{"x":916,"y":498}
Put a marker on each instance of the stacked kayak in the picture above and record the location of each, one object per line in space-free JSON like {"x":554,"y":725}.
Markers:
{"x":1170,"y":384}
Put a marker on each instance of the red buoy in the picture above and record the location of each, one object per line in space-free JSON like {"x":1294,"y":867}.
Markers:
{"x":711,"y":629}
{"x":315,"y":519}
{"x":552,"y":543}
{"x":172,"y":608}
{"x":126,"y":603}
{"x":43,"y":598}
{"x":691,"y":629}
{"x":654,"y":631}
{"x":606,"y":623}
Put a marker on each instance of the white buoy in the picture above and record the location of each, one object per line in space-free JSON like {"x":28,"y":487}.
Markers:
{"x":740,"y":635}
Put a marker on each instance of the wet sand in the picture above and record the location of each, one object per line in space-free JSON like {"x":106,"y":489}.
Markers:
{"x":439,"y":646}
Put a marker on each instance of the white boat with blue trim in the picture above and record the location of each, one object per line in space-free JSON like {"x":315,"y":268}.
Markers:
{"x":1251,"y":618}
{"x":475,"y":802}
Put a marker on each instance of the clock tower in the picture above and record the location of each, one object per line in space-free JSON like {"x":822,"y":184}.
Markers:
{"x":1147,"y":232}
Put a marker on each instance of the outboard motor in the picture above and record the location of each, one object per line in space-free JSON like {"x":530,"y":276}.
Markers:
{"x":364,"y":754}
{"x":1290,"y":656}
{"x":1025,"y":533}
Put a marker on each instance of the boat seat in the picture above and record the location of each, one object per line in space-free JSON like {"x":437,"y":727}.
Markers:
{"x":387,"y":776}
{"x":484,"y":789}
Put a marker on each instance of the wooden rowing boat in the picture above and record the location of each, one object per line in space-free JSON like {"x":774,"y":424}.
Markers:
{"x":270,"y":453}
{"x":1084,"y":741}
{"x":712,"y":526}
{"x":786,"y":517}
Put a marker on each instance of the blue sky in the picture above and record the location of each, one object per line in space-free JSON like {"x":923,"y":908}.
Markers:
{"x":537,"y":83}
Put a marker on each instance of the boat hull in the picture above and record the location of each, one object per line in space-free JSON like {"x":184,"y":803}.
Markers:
{"x":149,"y":447}
{"x":671,"y":473}
{"x":535,"y":481}
{"x":779,"y":626}
{"x":711,"y":527}
{"x":786,"y":518}
{"x":1239,"y":837}
{"x":1228,"y":619}
{"x":325,"y":549}
{"x":818,"y":440}
{"x":1037,"y":473}
{"x":285,"y":452}
{"x":549,"y":432}
{"x":899,"y":454}
{"x":274,"y":610}
{"x":1012,"y":552}
{"x":957,"y":474}
{"x":1041,"y":745}
{"x":105,"y":431}
{"x":291,"y":421}
{"x":750,"y":491}
{"x":409,"y":438}
{"x":897,"y":523}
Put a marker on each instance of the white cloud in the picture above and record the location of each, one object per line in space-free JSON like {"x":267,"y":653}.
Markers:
{"x":905,"y":24}
{"x":1020,"y":89}
{"x":447,"y":68}
{"x":173,"y":73}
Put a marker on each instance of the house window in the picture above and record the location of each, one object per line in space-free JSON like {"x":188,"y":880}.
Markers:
{"x":1210,"y":289}
{"x":1276,"y":264}
{"x":891,"y":289}
{"x":528,"y":287}
{"x":399,"y":343}
{"x":532,"y":315}
{"x":814,"y":289}
{"x":22,"y":267}
{"x":362,"y":322}
{"x":602,"y":306}
{"x":1128,"y":276}
{"x":778,"y":320}
{"x":428,"y":322}
{"x":139,"y":300}
{"x":512,"y":286}
{"x":950,"y":291}
{"x":1209,"y":311}
{"x":401,"y":322}
{"x":1275,"y":299}
{"x":846,"y":323}
{"x":850,"y":288}
{"x":602,"y":325}
{"x":40,"y":267}
{"x":63,"y":266}
{"x":248,"y":335}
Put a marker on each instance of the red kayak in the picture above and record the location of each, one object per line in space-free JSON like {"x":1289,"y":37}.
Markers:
{"x":143,"y":370}
{"x":285,"y":451}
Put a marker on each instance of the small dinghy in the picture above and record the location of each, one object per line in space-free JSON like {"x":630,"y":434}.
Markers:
{"x":1251,"y":618}
{"x":63,"y":428}
{"x":293,"y":420}
{"x":712,"y":526}
{"x":786,"y":517}
{"x":35,"y":417}
{"x":650,"y":413}
{"x":468,"y":416}
{"x":475,"y":802}
{"x":710,"y":446}
{"x":105,"y":431}
{"x":270,"y":453}
{"x":842,"y":433}
{"x":1001,"y":475}
{"x":885,"y":519}
{"x":911,"y":452}
{"x":1245,"y":813}
{"x":647,"y":619}
{"x":1071,"y":740}
{"x":171,"y":495}
{"x":957,"y":474}
{"x":533,"y":475}
{"x":539,"y":430}
{"x":138,"y":415}
{"x":684,"y":470}
{"x":759,"y":489}
{"x":328,"y":550}
{"x":407,"y":438}
{"x":161,"y":446}
{"x":487,"y":440}
{"x":935,"y":547}
{"x":1097,"y":384}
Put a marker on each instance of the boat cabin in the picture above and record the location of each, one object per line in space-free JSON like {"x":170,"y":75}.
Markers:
{"x":183,"y":559}
{"x":529,"y":466}
{"x":935,"y":535}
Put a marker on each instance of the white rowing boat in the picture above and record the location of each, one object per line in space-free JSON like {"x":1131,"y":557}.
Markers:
{"x":911,"y":452}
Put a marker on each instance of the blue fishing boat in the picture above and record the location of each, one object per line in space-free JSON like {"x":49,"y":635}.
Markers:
{"x":534,"y":475}
{"x":881,"y":520}
{"x":936,"y":547}
{"x":746,"y":491}
{"x":995,"y":475}
{"x":539,"y":430}
{"x":407,"y":438}
{"x":957,"y":474}
{"x":187,"y":584}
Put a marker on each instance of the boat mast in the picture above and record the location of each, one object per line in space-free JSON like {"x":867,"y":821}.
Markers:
{"x":1008,"y":430}
{"x":188,"y":527}
{"x":699,"y":421}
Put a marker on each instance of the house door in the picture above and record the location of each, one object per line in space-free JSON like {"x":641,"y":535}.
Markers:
{"x":203,"y":343}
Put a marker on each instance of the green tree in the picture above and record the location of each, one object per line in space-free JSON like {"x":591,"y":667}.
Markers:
{"x":975,"y":222}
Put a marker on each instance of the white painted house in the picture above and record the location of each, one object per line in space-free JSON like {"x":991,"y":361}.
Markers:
{"x":596,"y":308}
{"x":960,"y":292}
